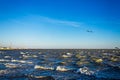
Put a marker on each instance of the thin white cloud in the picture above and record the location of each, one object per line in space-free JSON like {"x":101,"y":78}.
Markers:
{"x":49,"y":20}
{"x":63,"y":22}
{"x":46,"y":20}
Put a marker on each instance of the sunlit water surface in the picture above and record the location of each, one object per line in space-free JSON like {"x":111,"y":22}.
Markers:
{"x":60,"y":64}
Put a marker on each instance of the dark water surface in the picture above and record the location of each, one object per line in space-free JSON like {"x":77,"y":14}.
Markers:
{"x":60,"y":64}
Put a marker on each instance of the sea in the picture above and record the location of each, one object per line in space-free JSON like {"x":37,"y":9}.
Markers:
{"x":60,"y":64}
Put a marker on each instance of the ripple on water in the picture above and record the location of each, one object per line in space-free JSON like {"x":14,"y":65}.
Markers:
{"x":60,"y":64}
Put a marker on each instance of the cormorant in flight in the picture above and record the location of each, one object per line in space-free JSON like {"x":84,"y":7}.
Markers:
{"x":90,"y":31}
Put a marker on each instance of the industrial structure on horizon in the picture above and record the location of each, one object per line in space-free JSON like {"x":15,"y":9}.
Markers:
{"x":5,"y":48}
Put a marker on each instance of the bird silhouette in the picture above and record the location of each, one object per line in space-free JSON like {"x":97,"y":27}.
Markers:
{"x":90,"y":31}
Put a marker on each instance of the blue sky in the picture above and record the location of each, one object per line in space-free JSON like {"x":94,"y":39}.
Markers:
{"x":60,"y":23}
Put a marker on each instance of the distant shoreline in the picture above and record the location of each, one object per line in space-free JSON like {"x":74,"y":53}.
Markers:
{"x":56,"y":49}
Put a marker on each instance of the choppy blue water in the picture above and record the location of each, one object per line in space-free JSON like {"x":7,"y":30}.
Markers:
{"x":61,"y":64}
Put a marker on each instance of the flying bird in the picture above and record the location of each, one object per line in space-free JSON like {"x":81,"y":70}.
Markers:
{"x":90,"y":31}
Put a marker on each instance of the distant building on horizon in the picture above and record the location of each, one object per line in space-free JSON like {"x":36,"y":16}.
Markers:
{"x":4,"y":47}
